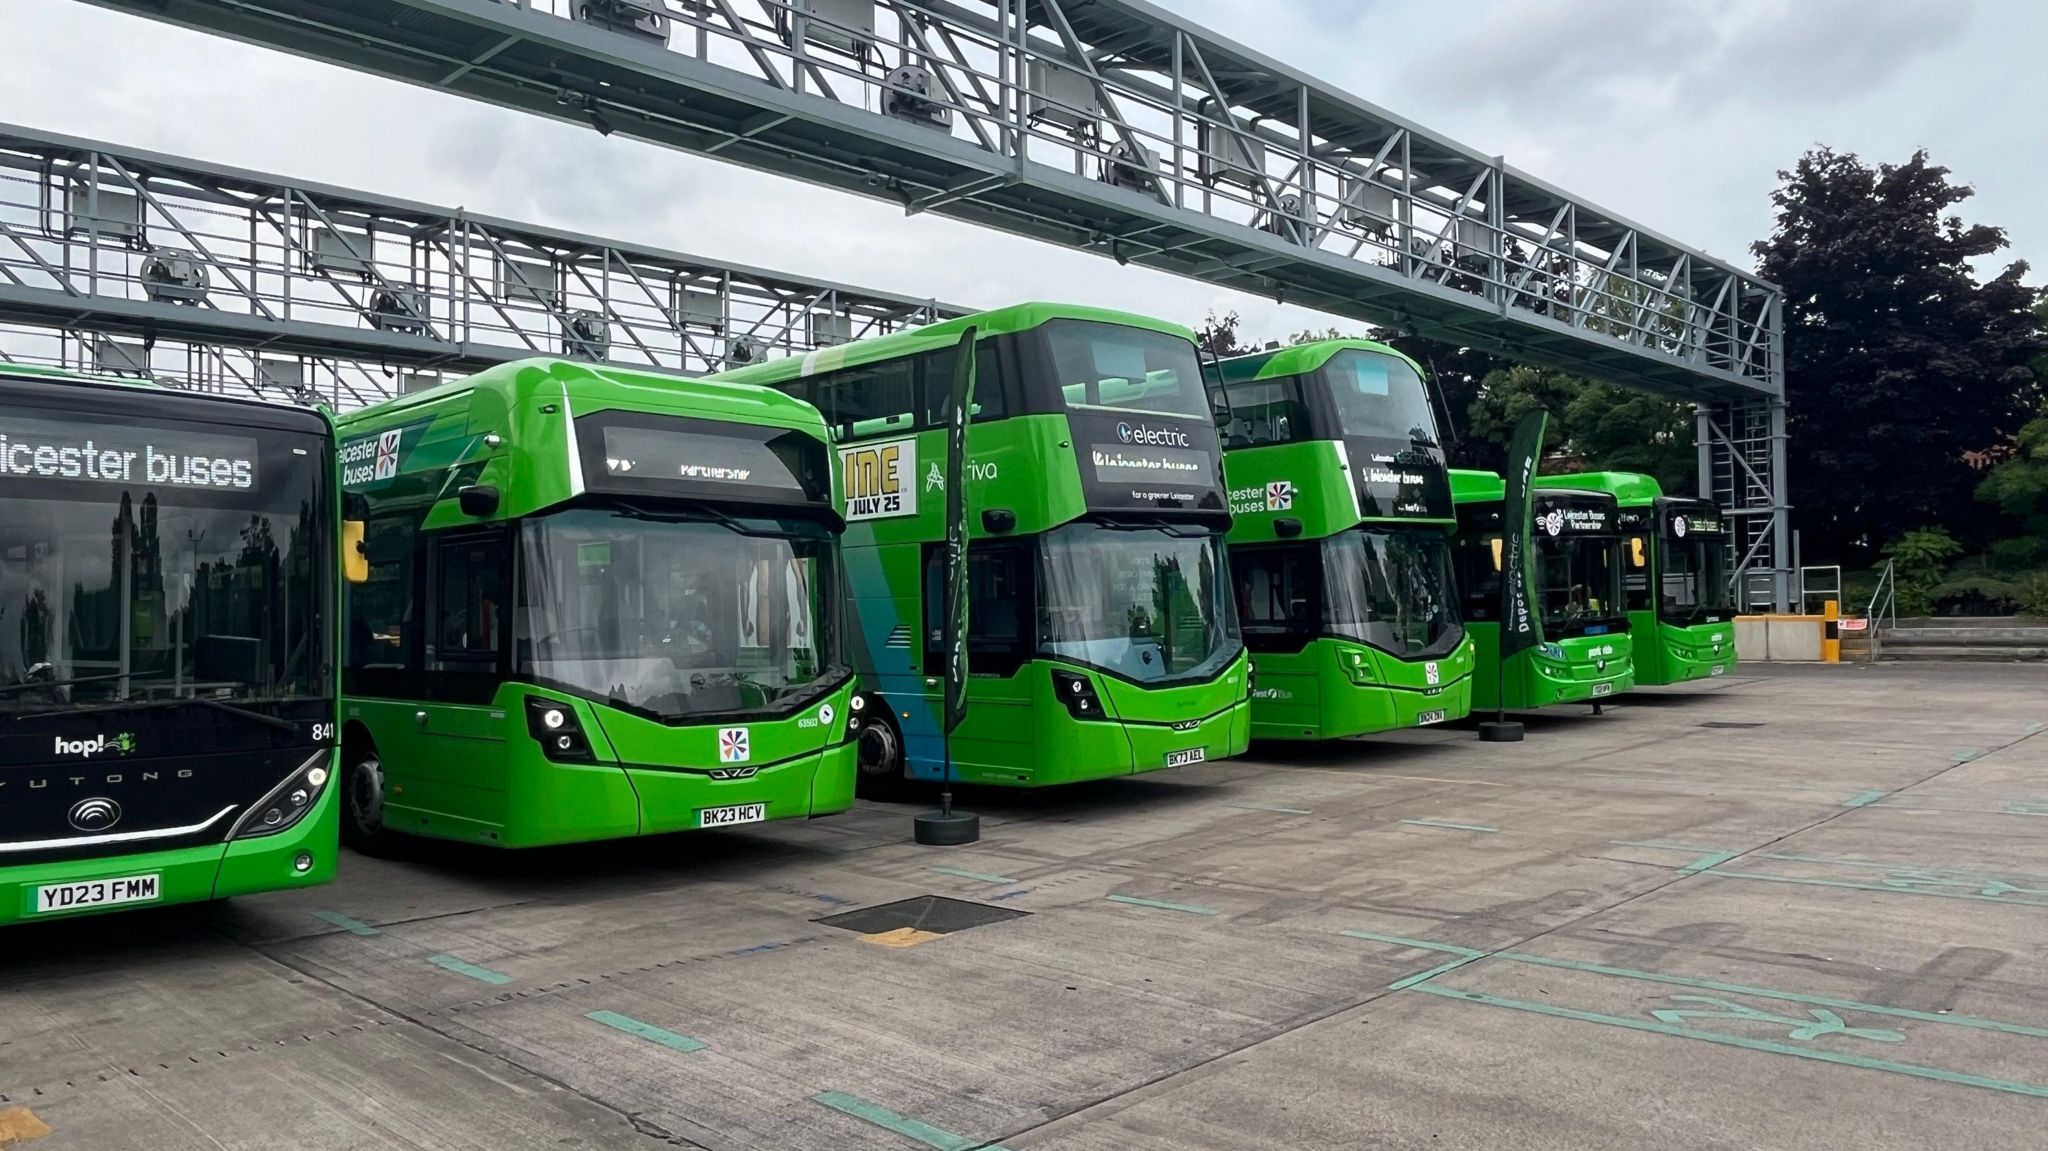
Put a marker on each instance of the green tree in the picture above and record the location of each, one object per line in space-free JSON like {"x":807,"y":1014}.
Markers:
{"x":1595,"y":426}
{"x":1899,"y":361}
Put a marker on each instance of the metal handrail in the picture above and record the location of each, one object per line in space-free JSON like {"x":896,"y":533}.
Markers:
{"x":1883,"y":603}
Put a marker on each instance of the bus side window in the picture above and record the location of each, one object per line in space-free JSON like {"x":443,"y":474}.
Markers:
{"x":999,"y":608}
{"x":935,"y":371}
{"x":1635,"y":576}
{"x":871,"y":400}
{"x":1265,"y":412}
{"x":471,"y":614}
{"x":1278,"y":601}
{"x":382,"y":648}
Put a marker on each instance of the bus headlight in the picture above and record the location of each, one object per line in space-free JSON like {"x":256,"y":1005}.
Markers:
{"x":288,"y":802}
{"x":1078,"y":693}
{"x":554,"y":726}
{"x":1358,"y":667}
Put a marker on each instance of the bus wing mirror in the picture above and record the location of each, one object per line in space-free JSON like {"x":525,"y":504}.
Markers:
{"x":478,"y":500}
{"x":1496,"y":542}
{"x":355,"y":562}
{"x":1635,"y":551}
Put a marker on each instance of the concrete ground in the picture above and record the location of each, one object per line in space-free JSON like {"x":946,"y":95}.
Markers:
{"x":1806,"y":908}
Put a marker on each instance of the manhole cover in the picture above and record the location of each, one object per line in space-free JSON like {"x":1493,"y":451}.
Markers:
{"x":1728,"y":723}
{"x":933,"y":913}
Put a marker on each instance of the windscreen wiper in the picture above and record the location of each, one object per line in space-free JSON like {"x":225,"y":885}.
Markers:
{"x":159,"y":704}
{"x":699,"y":512}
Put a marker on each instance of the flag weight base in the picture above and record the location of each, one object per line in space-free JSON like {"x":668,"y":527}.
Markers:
{"x":947,"y":828}
{"x":1500,"y":731}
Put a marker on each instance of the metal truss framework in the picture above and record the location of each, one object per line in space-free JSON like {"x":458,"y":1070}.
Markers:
{"x":115,"y":259}
{"x":1111,"y":126}
{"x":1741,"y":468}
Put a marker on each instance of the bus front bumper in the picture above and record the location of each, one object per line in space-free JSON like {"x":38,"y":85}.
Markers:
{"x":184,"y":874}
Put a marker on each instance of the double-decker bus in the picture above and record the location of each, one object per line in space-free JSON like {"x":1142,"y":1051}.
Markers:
{"x":600,"y":603}
{"x":1340,"y":542}
{"x":1675,"y":584}
{"x":1574,"y":543}
{"x":1101,"y":635}
{"x":167,"y":636}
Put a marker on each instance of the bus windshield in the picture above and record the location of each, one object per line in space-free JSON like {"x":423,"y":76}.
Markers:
{"x":1114,"y":368}
{"x":677,"y":619}
{"x":1140,"y":603}
{"x":1379,"y":395}
{"x":1578,"y":579}
{"x":161,"y":563}
{"x":1392,"y":588}
{"x":1693,"y":579}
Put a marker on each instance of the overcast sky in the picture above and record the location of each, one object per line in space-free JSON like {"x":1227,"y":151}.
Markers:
{"x":1676,"y":113}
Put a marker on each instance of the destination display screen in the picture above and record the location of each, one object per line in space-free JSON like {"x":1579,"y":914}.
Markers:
{"x":1149,"y":463}
{"x":1397,"y":480}
{"x":1695,"y":521}
{"x":97,"y":453}
{"x":1555,"y":518}
{"x":679,"y":456}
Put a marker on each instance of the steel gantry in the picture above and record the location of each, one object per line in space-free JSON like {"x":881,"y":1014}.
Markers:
{"x":1116,"y":127}
{"x":120,"y":260}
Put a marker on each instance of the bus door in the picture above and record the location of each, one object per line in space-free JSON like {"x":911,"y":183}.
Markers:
{"x":460,"y":734}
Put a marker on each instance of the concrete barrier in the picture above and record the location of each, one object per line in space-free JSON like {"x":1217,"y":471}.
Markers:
{"x":1785,"y":639}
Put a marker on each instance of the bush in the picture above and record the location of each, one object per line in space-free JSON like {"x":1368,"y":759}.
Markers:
{"x":2019,"y":554}
{"x":2033,"y":595}
{"x":1973,"y":596}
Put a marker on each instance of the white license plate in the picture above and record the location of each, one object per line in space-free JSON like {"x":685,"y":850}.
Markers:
{"x":727,"y":816}
{"x":1603,"y":689}
{"x":1717,"y":669}
{"x":52,"y":898}
{"x":1188,"y":756}
{"x":1429,"y":717}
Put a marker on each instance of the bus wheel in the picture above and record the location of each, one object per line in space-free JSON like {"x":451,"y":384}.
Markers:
{"x":362,"y":803}
{"x":879,"y":753}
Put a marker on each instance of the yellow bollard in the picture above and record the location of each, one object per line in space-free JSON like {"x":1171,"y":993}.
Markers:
{"x":1831,"y":642}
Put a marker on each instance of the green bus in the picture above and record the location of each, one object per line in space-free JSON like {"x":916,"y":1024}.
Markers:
{"x":167,"y":638}
{"x":599,"y":603}
{"x":1675,"y":586}
{"x":1574,"y":543}
{"x":1102,"y":640}
{"x":1340,"y":553}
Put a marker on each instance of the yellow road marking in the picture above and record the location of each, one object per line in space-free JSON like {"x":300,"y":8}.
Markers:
{"x":19,"y":1125}
{"x":901,"y":937}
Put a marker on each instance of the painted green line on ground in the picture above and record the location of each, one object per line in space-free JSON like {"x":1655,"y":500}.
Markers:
{"x":352,"y":926}
{"x":1973,"y":870}
{"x":1977,"y":896}
{"x":1270,"y":807}
{"x":1665,"y":846}
{"x":1418,"y":944}
{"x":1452,"y":826}
{"x":1769,"y":993}
{"x":1432,"y":973}
{"x":649,"y":1031}
{"x":2034,"y":727}
{"x":1863,"y":798}
{"x":1711,"y":859}
{"x":462,"y":967}
{"x":983,"y":876}
{"x":1190,"y":908}
{"x":1965,"y":755}
{"x":902,"y":1125}
{"x":1935,"y":1073}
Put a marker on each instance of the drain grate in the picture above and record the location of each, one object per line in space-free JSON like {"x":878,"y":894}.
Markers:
{"x":1728,"y":723}
{"x":933,"y":913}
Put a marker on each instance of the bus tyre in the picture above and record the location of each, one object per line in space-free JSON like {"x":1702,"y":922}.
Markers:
{"x":1500,"y":731}
{"x":879,"y":755}
{"x":362,"y":803}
